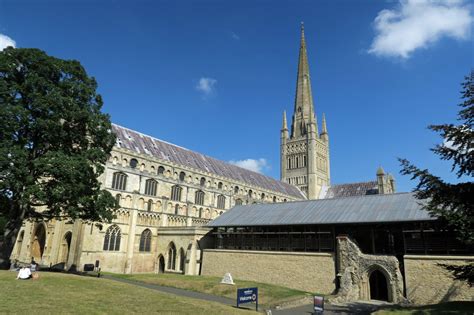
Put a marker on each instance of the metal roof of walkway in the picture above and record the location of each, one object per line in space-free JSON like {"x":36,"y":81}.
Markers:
{"x":400,"y":207}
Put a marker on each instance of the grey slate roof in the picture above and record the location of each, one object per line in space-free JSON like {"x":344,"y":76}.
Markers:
{"x":352,"y":189}
{"x":143,"y":144}
{"x":359,"y":209}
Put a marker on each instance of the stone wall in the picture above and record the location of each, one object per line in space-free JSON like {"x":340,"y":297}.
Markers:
{"x":429,"y":283}
{"x":312,"y":272}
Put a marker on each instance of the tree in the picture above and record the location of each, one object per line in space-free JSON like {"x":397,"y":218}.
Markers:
{"x":452,"y":202}
{"x":54,"y":142}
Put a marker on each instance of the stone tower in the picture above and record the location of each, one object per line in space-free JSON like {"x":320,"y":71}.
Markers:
{"x":304,"y":152}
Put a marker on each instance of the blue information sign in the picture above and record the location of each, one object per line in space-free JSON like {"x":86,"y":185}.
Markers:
{"x":247,"y":295}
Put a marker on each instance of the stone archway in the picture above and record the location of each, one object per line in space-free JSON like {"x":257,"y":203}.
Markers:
{"x":65,"y":247}
{"x":161,"y":264}
{"x":365,"y":277}
{"x":38,"y":242}
{"x":378,"y":286}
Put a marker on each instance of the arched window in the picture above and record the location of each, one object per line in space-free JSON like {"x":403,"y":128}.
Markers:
{"x":236,"y":189}
{"x":274,"y":199}
{"x":176,"y":209}
{"x":221,"y":201}
{"x":262,"y":196}
{"x":112,"y":238}
{"x":150,"y":187}
{"x":250,"y":193}
{"x":202,"y":182}
{"x":145,"y":241}
{"x":200,"y":212}
{"x":118,"y":198}
{"x":176,"y":193}
{"x":221,"y":212}
{"x":182,"y":259}
{"x":182,"y":176}
{"x":119,"y":181}
{"x":238,"y":202}
{"x":133,"y":163}
{"x":219,"y":185}
{"x":149,"y":205}
{"x":199,"y":197}
{"x":172,"y":257}
{"x":284,"y":200}
{"x":161,"y":170}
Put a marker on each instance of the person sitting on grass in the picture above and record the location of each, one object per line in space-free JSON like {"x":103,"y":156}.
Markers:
{"x":24,"y":273}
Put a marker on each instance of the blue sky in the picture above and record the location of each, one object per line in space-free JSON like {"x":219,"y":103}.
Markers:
{"x":215,"y":76}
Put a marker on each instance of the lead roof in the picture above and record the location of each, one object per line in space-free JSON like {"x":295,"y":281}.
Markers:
{"x":144,"y":144}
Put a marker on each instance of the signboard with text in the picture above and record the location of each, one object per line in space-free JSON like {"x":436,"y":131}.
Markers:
{"x":247,"y":295}
{"x":319,"y":303}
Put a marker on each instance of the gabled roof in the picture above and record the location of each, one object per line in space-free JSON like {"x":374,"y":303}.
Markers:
{"x":143,"y":144}
{"x":401,"y":207}
{"x":350,"y":189}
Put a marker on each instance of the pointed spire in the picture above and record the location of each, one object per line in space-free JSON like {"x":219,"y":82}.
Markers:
{"x":284,"y":126}
{"x":324,"y":128}
{"x":304,"y":110}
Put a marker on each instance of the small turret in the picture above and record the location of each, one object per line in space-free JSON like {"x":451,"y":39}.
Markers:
{"x":324,"y":132}
{"x":381,"y":180}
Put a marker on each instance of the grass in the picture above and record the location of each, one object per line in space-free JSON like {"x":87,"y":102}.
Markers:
{"x":268,"y":294}
{"x":58,"y":293}
{"x":442,"y":308}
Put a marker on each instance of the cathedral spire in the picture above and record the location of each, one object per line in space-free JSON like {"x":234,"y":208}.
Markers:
{"x":304,"y":110}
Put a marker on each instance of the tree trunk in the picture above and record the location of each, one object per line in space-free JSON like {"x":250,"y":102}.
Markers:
{"x":9,"y":238}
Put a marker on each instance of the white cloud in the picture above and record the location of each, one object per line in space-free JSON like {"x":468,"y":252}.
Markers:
{"x":252,"y":165}
{"x":6,"y":41}
{"x":206,"y":86}
{"x":416,"y":24}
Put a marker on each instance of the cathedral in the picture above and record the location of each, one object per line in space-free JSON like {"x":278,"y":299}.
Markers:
{"x":173,"y":203}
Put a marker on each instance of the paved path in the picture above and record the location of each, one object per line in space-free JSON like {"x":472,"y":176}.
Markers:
{"x":361,"y":308}
{"x":180,"y":292}
{"x":352,"y":308}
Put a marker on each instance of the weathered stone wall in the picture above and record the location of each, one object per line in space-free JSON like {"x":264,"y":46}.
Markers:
{"x":355,"y":269}
{"x":312,"y":272}
{"x":429,"y":283}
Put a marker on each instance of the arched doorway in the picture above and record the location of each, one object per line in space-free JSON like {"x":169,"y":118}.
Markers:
{"x":182,"y":260}
{"x":39,"y":240}
{"x":161,"y":264}
{"x":378,"y":286}
{"x":171,"y":257}
{"x":65,"y":247}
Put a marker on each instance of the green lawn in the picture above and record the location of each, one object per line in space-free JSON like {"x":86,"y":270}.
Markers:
{"x":59,"y":293}
{"x":442,"y":308}
{"x":268,"y":294}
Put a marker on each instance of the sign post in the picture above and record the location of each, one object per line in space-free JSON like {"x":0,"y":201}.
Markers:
{"x":247,"y":295}
{"x":318,"y":304}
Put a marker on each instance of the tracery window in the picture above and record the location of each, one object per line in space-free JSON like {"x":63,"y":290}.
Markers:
{"x":150,"y":187}
{"x":112,"y":238}
{"x":199,"y":197}
{"x":119,"y":181}
{"x":176,"y":193}
{"x":172,"y":256}
{"x":221,"y":201}
{"x":145,"y":241}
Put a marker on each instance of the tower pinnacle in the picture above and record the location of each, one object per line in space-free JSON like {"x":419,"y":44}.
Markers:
{"x":284,"y":125}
